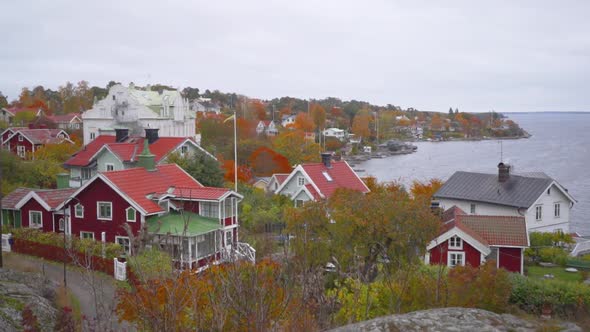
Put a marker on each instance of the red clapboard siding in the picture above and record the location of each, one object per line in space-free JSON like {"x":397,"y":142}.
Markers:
{"x":510,"y":259}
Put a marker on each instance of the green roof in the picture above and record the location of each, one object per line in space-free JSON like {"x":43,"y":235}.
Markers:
{"x":173,"y":224}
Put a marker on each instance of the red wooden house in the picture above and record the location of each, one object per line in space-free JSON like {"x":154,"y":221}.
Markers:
{"x":474,"y":239}
{"x":24,"y":141}
{"x":197,"y":224}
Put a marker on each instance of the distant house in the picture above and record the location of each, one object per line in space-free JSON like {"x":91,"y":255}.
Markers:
{"x":205,"y":105}
{"x":267,"y":127}
{"x":6,"y":115}
{"x":475,"y":239}
{"x":287,"y":120}
{"x":542,"y":201}
{"x":70,"y":121}
{"x":336,"y":133}
{"x":261,"y":182}
{"x":275,"y":181}
{"x":137,"y":110}
{"x":315,"y":181}
{"x":112,"y":153}
{"x":24,"y":141}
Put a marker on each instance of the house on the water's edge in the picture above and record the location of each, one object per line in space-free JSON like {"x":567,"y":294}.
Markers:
{"x":315,"y":181}
{"x":135,"y":109}
{"x":23,"y":142}
{"x":542,"y":201}
{"x":113,"y":153}
{"x":474,"y":239}
{"x":197,"y":224}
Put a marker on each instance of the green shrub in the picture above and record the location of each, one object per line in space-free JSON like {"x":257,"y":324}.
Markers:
{"x":554,"y":255}
{"x":151,"y":265}
{"x":565,"y":298}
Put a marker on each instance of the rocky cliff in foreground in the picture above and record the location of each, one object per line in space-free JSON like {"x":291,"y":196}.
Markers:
{"x":20,"y":289}
{"x":451,"y":319}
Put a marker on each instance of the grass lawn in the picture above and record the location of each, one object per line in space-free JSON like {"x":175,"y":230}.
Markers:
{"x":559,"y":273}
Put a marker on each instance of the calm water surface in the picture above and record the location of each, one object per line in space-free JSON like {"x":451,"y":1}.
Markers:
{"x":560,"y":147}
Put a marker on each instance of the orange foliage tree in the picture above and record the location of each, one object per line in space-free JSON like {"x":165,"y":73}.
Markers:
{"x":266,"y":162}
{"x":292,"y":144}
{"x":425,"y":190}
{"x":56,"y":152}
{"x":360,"y":123}
{"x":244,"y":173}
{"x":318,"y":116}
{"x":303,"y":122}
{"x":436,"y":122}
{"x":259,"y":110}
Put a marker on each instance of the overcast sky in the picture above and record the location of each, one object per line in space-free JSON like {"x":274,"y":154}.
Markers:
{"x":534,"y":56}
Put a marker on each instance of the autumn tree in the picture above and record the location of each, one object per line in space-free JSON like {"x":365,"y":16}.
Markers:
{"x":25,"y":98}
{"x":3,"y":101}
{"x":436,"y":122}
{"x":425,"y":190}
{"x":266,"y":162}
{"x":303,"y":122}
{"x":360,"y":124}
{"x":292,"y":144}
{"x":318,"y":116}
{"x":58,"y":153}
{"x":200,"y":166}
{"x":258,"y":109}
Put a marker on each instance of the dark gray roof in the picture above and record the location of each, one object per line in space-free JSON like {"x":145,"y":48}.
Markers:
{"x":519,"y":191}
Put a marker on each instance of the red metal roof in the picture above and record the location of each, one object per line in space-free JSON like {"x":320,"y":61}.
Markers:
{"x":126,"y":151}
{"x":312,"y":191}
{"x":82,"y":157}
{"x":281,"y":178}
{"x":64,"y":118}
{"x":451,"y":213}
{"x":342,"y":176}
{"x":138,"y":184}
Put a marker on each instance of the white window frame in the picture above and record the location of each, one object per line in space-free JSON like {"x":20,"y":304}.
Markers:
{"x":557,"y":209}
{"x":61,"y":224}
{"x":85,"y":176}
{"x":127,"y":210}
{"x":453,"y":242}
{"x":98,"y":210}
{"x":299,"y":202}
{"x":456,"y":254}
{"x":183,"y":150}
{"x":21,"y":150}
{"x":20,"y":138}
{"x":86,"y":232}
{"x":538,"y":212}
{"x":229,"y":239}
{"x":76,"y":211}
{"x":300,"y":181}
{"x":111,"y":165}
{"x":93,"y":135}
{"x":117,"y":238}
{"x":472,"y":208}
{"x":40,"y":225}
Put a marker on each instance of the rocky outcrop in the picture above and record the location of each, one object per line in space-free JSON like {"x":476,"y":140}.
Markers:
{"x":20,"y":289}
{"x":451,"y":319}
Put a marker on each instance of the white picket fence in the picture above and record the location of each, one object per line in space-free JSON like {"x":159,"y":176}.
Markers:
{"x":120,"y":270}
{"x":6,"y":242}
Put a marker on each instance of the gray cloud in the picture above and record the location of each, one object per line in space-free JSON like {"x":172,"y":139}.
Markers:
{"x":531,"y":56}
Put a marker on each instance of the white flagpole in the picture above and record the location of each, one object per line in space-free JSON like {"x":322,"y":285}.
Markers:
{"x":235,"y":153}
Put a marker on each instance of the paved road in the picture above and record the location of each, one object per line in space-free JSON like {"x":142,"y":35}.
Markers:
{"x":77,"y":280}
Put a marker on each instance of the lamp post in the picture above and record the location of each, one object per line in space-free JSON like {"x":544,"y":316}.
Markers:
{"x":64,"y":219}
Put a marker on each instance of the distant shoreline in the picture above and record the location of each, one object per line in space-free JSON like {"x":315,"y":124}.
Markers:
{"x":549,"y":112}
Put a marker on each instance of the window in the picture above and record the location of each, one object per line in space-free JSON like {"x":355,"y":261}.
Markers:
{"x":20,"y":151}
{"x":76,"y":126}
{"x":124,"y":242}
{"x":208,"y":209}
{"x":229,"y":238}
{"x":20,"y":138}
{"x":472,"y":208}
{"x":327,"y":176}
{"x":104,"y":210}
{"x":114,"y":98}
{"x":456,"y":259}
{"x":61,"y":224}
{"x":557,"y":210}
{"x":455,"y":243}
{"x":35,"y":219}
{"x":86,"y":173}
{"x":92,"y":136}
{"x":130,"y":214}
{"x":549,"y":191}
{"x":538,"y":212}
{"x":87,"y":235}
{"x":110,"y":167}
{"x":79,"y":210}
{"x":299,"y":202}
{"x":301,"y":181}
{"x":183,"y":150}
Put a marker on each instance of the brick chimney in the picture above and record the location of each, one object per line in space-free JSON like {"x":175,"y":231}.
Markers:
{"x":503,"y":172}
{"x":327,"y":159}
{"x":152,"y":135}
{"x":121,"y":134}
